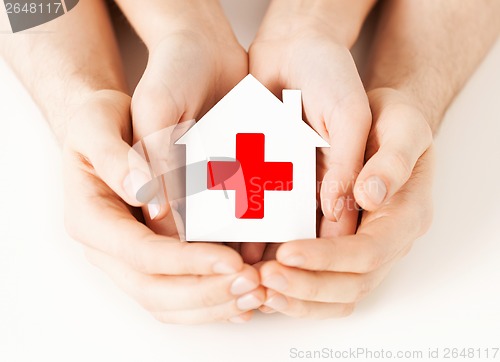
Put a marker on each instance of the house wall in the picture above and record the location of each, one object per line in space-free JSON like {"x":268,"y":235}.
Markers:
{"x":288,"y":215}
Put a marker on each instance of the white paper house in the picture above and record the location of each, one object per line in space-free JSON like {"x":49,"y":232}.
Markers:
{"x":257,"y":180}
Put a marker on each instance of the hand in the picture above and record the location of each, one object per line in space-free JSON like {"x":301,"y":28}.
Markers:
{"x":187,"y":73}
{"x":177,"y":282}
{"x":294,"y":51}
{"x":325,"y":277}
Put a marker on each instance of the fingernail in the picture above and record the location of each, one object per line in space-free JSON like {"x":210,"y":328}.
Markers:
{"x":277,"y":302}
{"x":276,"y":282}
{"x":154,"y":208}
{"x":242,"y":285}
{"x":134,"y":181}
{"x":375,"y":189}
{"x":248,"y":302}
{"x":294,"y":260}
{"x":237,"y":319}
{"x":338,"y":208}
{"x":223,"y":268}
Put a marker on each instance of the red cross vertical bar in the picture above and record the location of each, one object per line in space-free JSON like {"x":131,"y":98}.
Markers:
{"x":250,"y":175}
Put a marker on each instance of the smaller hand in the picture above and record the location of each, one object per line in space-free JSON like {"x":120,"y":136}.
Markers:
{"x":295,"y":51}
{"x":326,"y":277}
{"x":177,"y":282}
{"x":187,"y":73}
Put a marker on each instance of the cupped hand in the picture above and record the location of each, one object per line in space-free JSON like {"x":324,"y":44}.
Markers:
{"x":326,"y":277}
{"x":292,"y":51}
{"x":177,"y":282}
{"x":187,"y":73}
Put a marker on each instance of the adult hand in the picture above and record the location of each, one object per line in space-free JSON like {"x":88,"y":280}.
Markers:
{"x":295,"y":49}
{"x":177,"y":282}
{"x":325,"y":277}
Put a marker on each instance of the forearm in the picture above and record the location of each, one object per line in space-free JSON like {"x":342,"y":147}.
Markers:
{"x":427,"y":49}
{"x":155,"y":19}
{"x":339,"y":19}
{"x":66,"y":60}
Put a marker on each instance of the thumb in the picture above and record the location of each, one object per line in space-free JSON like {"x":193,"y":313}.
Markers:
{"x":402,"y":135}
{"x":98,"y":135}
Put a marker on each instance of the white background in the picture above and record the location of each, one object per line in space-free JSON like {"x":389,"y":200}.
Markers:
{"x":445,"y":293}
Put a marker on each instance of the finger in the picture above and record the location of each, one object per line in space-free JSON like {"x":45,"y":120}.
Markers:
{"x":347,"y":119}
{"x":332,"y":229}
{"x":360,"y":253}
{"x":100,"y":220}
{"x":99,"y":140}
{"x":270,"y":252}
{"x":373,"y":246}
{"x":218,"y":313}
{"x":167,"y":165}
{"x":252,"y":252}
{"x":380,"y":237}
{"x":404,"y":137}
{"x":234,"y":246}
{"x":159,"y":292}
{"x":305,"y":309}
{"x":321,"y":286}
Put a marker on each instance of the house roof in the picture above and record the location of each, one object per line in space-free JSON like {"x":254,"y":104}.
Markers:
{"x":251,"y":96}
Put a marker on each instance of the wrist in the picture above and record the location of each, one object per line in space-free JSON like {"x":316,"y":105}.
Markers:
{"x":339,"y":20}
{"x":75,"y":104}
{"x":162,"y":18}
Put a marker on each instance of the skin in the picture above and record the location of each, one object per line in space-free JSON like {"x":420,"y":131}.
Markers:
{"x":87,"y":106}
{"x":411,"y":81}
{"x":194,"y":60}
{"x":326,"y":277}
{"x":300,"y":46}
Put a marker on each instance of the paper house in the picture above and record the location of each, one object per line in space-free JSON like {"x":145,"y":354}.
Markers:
{"x":257,"y":180}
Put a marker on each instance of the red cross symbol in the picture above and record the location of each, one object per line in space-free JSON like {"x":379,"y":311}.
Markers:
{"x":250,"y":175}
